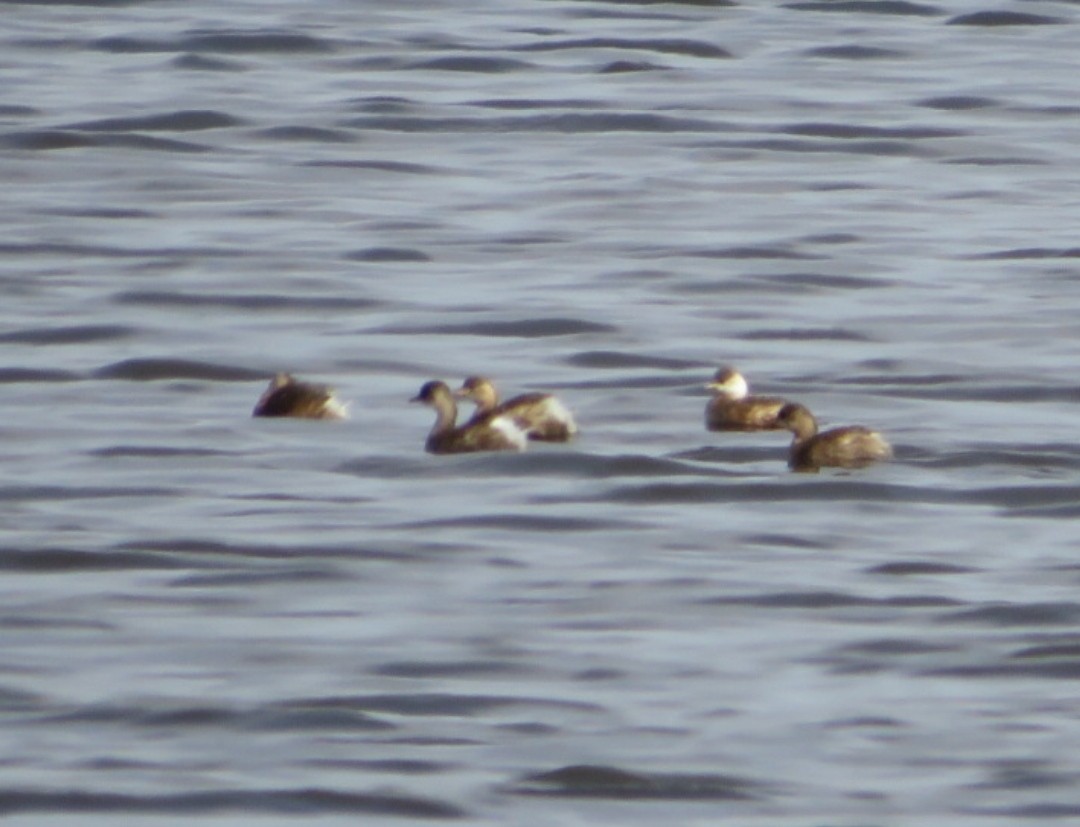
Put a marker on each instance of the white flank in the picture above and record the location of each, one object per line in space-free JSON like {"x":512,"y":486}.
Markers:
{"x":882,"y":448}
{"x":508,"y":428}
{"x":560,"y":413}
{"x":336,"y":409}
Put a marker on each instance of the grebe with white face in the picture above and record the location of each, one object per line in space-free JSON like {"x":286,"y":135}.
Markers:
{"x":540,"y":415}
{"x":733,"y":409}
{"x":849,"y":447}
{"x":492,"y":432}
{"x":287,"y":396}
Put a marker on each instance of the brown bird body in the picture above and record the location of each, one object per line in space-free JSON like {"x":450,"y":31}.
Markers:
{"x":733,"y":409}
{"x":489,"y":433}
{"x":849,"y":447}
{"x":287,"y":396}
{"x":540,"y":415}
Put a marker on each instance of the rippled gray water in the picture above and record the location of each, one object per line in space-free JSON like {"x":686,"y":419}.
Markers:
{"x":870,"y":206}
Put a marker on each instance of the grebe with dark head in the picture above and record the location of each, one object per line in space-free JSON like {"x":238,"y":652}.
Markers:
{"x":733,"y":409}
{"x":287,"y":396}
{"x":493,"y":432}
{"x":540,"y":415}
{"x":849,"y":447}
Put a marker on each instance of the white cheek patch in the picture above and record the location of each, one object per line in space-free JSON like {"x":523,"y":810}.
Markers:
{"x":736,"y":387}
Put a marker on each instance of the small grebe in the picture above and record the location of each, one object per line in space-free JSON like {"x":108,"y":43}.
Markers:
{"x":540,"y":415}
{"x":850,"y":447}
{"x":287,"y":397}
{"x":489,"y":433}
{"x":731,"y":409}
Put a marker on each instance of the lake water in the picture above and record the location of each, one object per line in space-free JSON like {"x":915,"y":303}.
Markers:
{"x":870,"y":206}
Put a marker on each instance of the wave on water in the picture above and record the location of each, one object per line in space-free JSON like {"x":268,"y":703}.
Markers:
{"x":824,"y":600}
{"x":151,"y":370}
{"x":536,"y":463}
{"x":710,"y":4}
{"x":520,"y":328}
{"x":1004,"y":18}
{"x":312,"y":801}
{"x":565,"y":123}
{"x":524,"y":522}
{"x":59,"y":560}
{"x":851,"y":131}
{"x":856,"y":51}
{"x":472,"y":63}
{"x":222,"y":42}
{"x":58,"y":139}
{"x":1026,"y":253}
{"x":686,"y":48}
{"x":301,"y":132}
{"x":184,"y":120}
{"x":959,"y":103}
{"x":805,"y":335}
{"x":597,"y":781}
{"x":69,"y":334}
{"x":899,"y":8}
{"x":260,"y":302}
{"x":388,"y":255}
{"x":79,"y":250}
{"x":16,"y":375}
{"x":397,"y":167}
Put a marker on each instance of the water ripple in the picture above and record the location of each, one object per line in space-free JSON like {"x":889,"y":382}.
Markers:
{"x":77,"y":251}
{"x":401,"y":167}
{"x":244,"y":301}
{"x":917,"y":568}
{"x":523,"y":522}
{"x":592,"y":781}
{"x":472,"y":63}
{"x":17,"y":375}
{"x":151,"y":370}
{"x":887,"y":7}
{"x":59,"y":139}
{"x":300,"y":132}
{"x":184,"y":120}
{"x":855,"y":51}
{"x":60,"y":561}
{"x":617,"y":67}
{"x":567,"y":123}
{"x":274,"y":717}
{"x":522,"y":328}
{"x":388,"y":255}
{"x":1003,"y":18}
{"x":619,"y":360}
{"x":686,"y":48}
{"x":72,"y":335}
{"x":1017,"y":615}
{"x":825,"y":600}
{"x":446,"y":704}
{"x":236,"y":43}
{"x":959,"y":103}
{"x":850,"y":131}
{"x":273,"y":801}
{"x":1023,"y":253}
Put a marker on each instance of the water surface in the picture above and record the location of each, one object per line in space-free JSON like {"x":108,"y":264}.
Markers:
{"x":867,"y":206}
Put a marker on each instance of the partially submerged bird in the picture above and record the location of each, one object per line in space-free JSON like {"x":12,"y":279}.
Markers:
{"x":849,"y":447}
{"x":493,"y":432}
{"x":732,"y":409}
{"x":540,"y":415}
{"x":287,"y":396}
